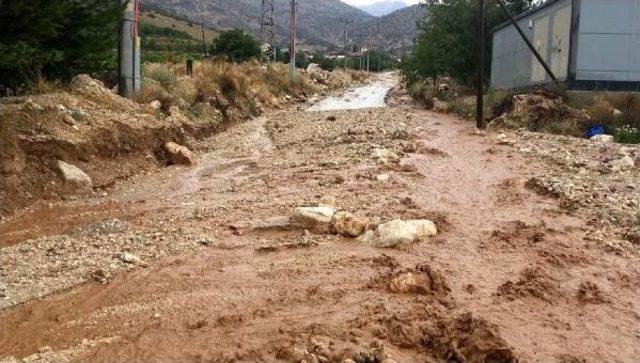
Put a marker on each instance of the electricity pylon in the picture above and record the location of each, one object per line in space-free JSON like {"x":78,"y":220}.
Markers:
{"x":267,"y":30}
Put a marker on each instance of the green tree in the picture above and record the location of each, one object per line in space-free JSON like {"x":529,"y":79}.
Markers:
{"x":56,"y":39}
{"x":446,"y":44}
{"x":236,"y":45}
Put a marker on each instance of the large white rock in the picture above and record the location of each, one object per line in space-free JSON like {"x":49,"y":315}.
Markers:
{"x":314,"y":217}
{"x":399,"y":232}
{"x":74,"y":177}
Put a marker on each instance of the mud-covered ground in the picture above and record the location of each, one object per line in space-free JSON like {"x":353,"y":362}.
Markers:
{"x":536,"y":259}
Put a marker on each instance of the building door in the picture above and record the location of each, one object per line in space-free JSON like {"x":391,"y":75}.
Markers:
{"x":540,"y":41}
{"x":560,"y":42}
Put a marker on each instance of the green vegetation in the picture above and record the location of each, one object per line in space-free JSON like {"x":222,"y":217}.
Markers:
{"x":446,"y":44}
{"x":56,"y":40}
{"x":236,"y":45}
{"x":167,"y":44}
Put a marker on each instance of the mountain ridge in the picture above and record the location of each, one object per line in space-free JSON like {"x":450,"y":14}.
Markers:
{"x":382,"y":8}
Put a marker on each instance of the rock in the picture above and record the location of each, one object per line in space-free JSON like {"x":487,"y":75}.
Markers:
{"x":383,"y":178}
{"x":399,"y":232}
{"x":441,"y":106}
{"x":179,"y":155}
{"x":384,"y":156}
{"x":602,"y":138}
{"x":30,"y":105}
{"x":74,"y":177}
{"x":68,"y":119}
{"x":316,"y":218}
{"x":130,"y":258}
{"x":503,"y":139}
{"x":313,"y":67}
{"x":623,"y":164}
{"x":155,"y":104}
{"x":348,"y":225}
{"x":617,"y":112}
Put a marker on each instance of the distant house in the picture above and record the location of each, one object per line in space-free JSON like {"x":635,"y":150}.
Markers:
{"x":589,"y":45}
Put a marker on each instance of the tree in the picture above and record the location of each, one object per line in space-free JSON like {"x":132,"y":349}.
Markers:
{"x":446,"y":44}
{"x":236,"y":45}
{"x":56,"y":39}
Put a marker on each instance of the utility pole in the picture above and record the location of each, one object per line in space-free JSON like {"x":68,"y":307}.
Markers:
{"x":292,"y":48}
{"x":346,"y":23}
{"x":480,"y":90}
{"x":129,"y":51}
{"x":267,"y":32}
{"x":367,"y":50}
{"x":204,"y":39}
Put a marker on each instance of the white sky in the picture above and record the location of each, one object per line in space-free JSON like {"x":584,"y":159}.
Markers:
{"x":367,"y":2}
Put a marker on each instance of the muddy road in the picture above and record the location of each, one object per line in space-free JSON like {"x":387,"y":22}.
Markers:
{"x":195,"y":264}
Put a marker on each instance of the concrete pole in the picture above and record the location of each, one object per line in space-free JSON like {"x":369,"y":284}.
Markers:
{"x":129,"y":51}
{"x":480,"y":86}
{"x":292,"y":48}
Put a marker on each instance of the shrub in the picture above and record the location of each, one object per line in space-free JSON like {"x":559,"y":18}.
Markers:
{"x":601,"y":110}
{"x":161,"y":73}
{"x":236,"y":45}
{"x":627,"y":135}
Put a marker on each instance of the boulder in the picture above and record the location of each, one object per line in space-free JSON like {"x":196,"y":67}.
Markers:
{"x":74,"y":177}
{"x":348,"y":225}
{"x":179,"y":155}
{"x":400,"y":232}
{"x":316,"y":218}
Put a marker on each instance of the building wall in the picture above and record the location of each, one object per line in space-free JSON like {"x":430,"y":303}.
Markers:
{"x":514,"y":65}
{"x":609,"y":41}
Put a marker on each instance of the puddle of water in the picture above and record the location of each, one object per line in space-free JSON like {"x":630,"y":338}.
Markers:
{"x":369,"y":96}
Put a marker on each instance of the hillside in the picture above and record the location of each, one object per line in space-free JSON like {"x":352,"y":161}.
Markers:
{"x":394,"y":31}
{"x":383,"y":8}
{"x":318,"y":20}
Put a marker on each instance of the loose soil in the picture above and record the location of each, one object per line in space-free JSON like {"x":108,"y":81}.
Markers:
{"x":517,"y":273}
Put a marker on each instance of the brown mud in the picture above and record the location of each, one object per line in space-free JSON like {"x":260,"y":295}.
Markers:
{"x":509,"y":278}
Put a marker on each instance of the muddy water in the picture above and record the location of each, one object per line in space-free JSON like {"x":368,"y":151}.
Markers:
{"x":369,"y":96}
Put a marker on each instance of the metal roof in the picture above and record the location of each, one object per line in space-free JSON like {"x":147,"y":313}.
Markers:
{"x":531,"y":11}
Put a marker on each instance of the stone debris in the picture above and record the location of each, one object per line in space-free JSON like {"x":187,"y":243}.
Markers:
{"x":383,"y":178}
{"x":384,"y":156}
{"x":399,"y":232}
{"x":155,"y":104}
{"x":625,"y":163}
{"x":503,"y":139}
{"x":348,"y":225}
{"x":602,"y":138}
{"x":74,"y":177}
{"x":314,"y":218}
{"x":130,"y":258}
{"x":179,"y":155}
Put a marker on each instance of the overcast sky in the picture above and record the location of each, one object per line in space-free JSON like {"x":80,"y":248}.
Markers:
{"x":367,"y":2}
